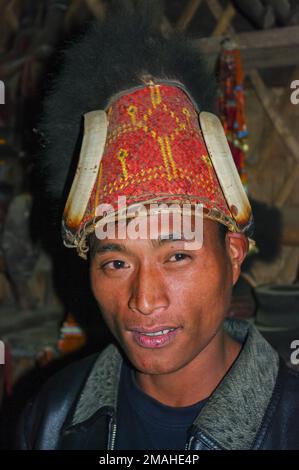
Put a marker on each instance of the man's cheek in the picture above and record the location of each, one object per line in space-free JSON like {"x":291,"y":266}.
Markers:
{"x":114,"y":327}
{"x":113,"y":319}
{"x":105,"y":297}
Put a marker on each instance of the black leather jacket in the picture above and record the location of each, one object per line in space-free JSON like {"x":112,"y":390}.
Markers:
{"x":256,"y":406}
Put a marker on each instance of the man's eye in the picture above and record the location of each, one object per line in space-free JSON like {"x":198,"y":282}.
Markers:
{"x":178,"y":257}
{"x":115,"y":264}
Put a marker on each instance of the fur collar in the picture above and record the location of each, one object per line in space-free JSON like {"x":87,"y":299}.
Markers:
{"x":242,"y":396}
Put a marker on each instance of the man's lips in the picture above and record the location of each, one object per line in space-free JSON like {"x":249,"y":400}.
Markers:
{"x":153,"y":329}
{"x":156,"y":337}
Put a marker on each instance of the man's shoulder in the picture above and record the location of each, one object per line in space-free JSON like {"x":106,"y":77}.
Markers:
{"x":46,"y":414}
{"x":70,"y":375}
{"x":284,"y":407}
{"x":289,"y":382}
{"x":72,"y":378}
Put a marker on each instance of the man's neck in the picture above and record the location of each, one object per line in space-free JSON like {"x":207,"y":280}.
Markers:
{"x":198,"y":379}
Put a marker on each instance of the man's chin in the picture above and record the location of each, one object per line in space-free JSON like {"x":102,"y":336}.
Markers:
{"x":154,"y":369}
{"x":152,"y":364}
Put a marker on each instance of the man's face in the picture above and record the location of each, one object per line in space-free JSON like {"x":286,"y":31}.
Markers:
{"x":165,"y":303}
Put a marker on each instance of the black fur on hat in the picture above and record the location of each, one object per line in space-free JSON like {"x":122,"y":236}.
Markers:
{"x":109,"y":58}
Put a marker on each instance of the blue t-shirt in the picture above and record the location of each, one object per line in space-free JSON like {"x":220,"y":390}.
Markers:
{"x":144,"y":423}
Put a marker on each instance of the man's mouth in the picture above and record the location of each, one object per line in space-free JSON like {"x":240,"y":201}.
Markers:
{"x":154,"y":338}
{"x":160,"y":332}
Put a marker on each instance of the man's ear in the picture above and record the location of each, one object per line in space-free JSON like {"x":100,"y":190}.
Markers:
{"x":237,"y":248}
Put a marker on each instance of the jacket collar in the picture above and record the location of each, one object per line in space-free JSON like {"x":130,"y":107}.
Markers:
{"x":242,"y":396}
{"x":101,"y":386}
{"x":244,"y":393}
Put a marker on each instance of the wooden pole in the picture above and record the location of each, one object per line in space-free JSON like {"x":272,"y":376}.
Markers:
{"x":225,"y":20}
{"x":215,"y":8}
{"x":286,"y":111}
{"x":282,"y":130}
{"x":290,"y":226}
{"x":188,"y":15}
{"x":287,"y":187}
{"x":96,"y":7}
{"x":267,"y":101}
{"x":276,"y":47}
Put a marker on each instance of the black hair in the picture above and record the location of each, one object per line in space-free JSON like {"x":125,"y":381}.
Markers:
{"x":222,"y":232}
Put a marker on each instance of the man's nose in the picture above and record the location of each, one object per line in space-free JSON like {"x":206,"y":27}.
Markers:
{"x":148,"y":292}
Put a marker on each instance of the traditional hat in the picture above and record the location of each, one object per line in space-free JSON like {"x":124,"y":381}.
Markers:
{"x":152,"y":140}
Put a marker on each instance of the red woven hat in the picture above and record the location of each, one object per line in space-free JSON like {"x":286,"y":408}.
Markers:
{"x":150,"y":145}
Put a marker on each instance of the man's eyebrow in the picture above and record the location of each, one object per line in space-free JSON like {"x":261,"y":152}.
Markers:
{"x":156,"y":242}
{"x":108,"y":247}
{"x":168,"y":238}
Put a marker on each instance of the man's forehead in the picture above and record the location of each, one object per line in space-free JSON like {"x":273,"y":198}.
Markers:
{"x":163,"y":237}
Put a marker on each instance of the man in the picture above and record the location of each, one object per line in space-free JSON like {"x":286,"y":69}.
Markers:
{"x":180,"y":376}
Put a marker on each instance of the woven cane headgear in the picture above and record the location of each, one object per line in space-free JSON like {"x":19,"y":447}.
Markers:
{"x":153,"y":142}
